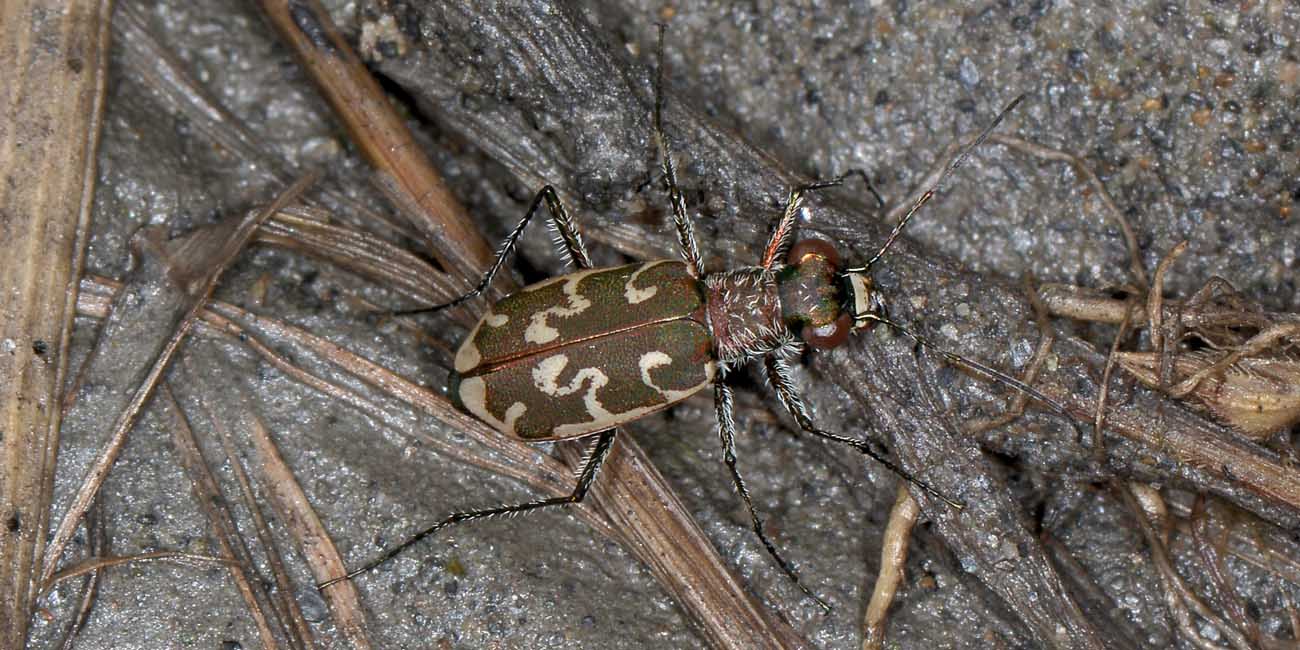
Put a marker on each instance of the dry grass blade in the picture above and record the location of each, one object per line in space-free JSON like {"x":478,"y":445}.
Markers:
{"x":54,"y":56}
{"x":208,"y":494}
{"x":218,"y":249}
{"x":308,"y":231}
{"x":158,"y":68}
{"x":284,"y":593}
{"x":314,"y":542}
{"x":378,"y":130}
{"x":99,"y":563}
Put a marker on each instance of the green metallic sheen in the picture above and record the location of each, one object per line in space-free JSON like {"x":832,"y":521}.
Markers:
{"x":616,"y":357}
{"x":592,"y":374}
{"x":810,"y":294}
{"x":677,"y":295}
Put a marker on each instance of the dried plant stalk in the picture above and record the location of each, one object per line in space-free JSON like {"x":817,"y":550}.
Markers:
{"x":205,"y":257}
{"x":289,"y":500}
{"x":54,"y":55}
{"x":1257,"y":395}
{"x":208,"y":494}
{"x":893,"y":558}
{"x":379,"y":131}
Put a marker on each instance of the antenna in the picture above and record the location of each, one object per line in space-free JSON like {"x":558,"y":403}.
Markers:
{"x":925,"y":198}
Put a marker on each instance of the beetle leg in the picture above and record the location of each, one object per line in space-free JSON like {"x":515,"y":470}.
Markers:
{"x":727,"y":432}
{"x":779,"y":242}
{"x":569,"y":236}
{"x":595,"y":458}
{"x":685,"y":229}
{"x":779,"y":374}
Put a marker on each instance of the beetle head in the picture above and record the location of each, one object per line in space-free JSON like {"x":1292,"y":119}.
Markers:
{"x":812,"y":301}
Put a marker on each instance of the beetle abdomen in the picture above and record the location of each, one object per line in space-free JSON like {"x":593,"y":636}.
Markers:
{"x":586,"y":351}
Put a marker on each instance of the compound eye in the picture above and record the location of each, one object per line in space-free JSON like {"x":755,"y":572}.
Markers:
{"x":830,"y":335}
{"x":813,"y":247}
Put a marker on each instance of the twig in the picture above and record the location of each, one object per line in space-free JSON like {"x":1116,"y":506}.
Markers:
{"x":893,"y":559}
{"x":379,"y":131}
{"x":207,"y":493}
{"x":313,"y":540}
{"x":56,"y":64}
{"x":200,"y":290}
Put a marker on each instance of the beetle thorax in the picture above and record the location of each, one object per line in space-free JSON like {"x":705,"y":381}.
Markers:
{"x":744,"y":308}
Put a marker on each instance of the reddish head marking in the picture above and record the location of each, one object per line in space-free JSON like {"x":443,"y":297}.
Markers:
{"x":810,"y":294}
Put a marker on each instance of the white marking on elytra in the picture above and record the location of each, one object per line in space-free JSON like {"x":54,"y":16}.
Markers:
{"x":468,"y":356}
{"x":473,"y":394}
{"x":547,"y":374}
{"x":546,"y":377}
{"x":861,"y":298}
{"x":539,"y":331}
{"x":635,"y":295}
{"x":651,"y":360}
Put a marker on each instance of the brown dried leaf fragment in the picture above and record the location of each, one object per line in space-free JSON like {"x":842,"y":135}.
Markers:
{"x":1256,"y":395}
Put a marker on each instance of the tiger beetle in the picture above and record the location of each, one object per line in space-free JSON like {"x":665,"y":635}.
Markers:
{"x":581,"y":354}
